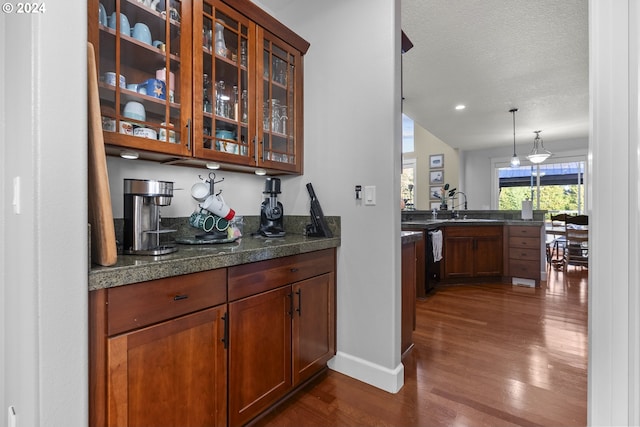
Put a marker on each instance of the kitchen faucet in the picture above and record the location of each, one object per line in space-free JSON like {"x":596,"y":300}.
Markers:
{"x":453,"y":193}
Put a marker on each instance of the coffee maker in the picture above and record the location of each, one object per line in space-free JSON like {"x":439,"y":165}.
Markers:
{"x":142,"y":202}
{"x":271,"y":211}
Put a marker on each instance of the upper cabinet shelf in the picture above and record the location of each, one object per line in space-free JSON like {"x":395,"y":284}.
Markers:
{"x":223,"y":76}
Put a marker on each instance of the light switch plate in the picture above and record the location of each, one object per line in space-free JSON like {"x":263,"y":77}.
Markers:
{"x":11,"y":417}
{"x":370,"y":195}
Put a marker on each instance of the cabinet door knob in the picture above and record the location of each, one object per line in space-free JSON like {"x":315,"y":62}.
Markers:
{"x":294,"y":270}
{"x":180,"y":297}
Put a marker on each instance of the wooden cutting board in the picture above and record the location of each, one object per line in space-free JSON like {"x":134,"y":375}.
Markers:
{"x":103,"y":236}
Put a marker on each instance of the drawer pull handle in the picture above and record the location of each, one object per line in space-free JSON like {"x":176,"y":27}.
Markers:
{"x":294,"y":270}
{"x":180,"y":297}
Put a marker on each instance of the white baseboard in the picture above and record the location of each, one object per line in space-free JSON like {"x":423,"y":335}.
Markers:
{"x":390,"y":380}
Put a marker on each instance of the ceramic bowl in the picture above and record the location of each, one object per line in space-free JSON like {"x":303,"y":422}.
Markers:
{"x":141,"y":32}
{"x":134,"y":110}
{"x":225,"y":134}
{"x":125,"y":28}
{"x":145,"y":133}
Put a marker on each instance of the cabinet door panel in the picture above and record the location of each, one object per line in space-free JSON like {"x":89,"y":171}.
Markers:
{"x":313,"y":326}
{"x":458,"y":257}
{"x":155,"y":90}
{"x":488,"y":256}
{"x":259,"y":353}
{"x":172,"y":373}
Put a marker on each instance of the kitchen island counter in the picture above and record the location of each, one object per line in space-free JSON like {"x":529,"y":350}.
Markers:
{"x":195,"y":258}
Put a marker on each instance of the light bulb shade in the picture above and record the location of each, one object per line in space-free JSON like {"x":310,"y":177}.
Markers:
{"x":515,"y":162}
{"x":538,"y":154}
{"x":538,"y":157}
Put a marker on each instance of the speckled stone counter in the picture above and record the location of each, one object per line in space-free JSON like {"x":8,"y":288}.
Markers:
{"x":410,"y":236}
{"x":194,"y":258}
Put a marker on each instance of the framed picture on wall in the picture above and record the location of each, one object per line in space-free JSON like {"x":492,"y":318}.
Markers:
{"x":434,"y":193}
{"x":436,"y":161}
{"x":436,"y":177}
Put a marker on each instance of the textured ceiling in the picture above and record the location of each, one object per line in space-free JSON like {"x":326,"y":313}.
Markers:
{"x":494,"y":55}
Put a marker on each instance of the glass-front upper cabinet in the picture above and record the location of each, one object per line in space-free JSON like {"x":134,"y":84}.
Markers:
{"x":280,"y":104}
{"x":224,"y":114}
{"x":144,"y":64}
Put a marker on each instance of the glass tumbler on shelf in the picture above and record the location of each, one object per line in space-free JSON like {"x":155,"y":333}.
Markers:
{"x":245,"y":106}
{"x":275,"y":115}
{"x":266,"y":116}
{"x":283,"y":119}
{"x":222,"y":99}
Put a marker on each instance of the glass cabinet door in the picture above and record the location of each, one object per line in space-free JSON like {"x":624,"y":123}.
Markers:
{"x":281,"y":105}
{"x":145,"y":95}
{"x":223,"y":115}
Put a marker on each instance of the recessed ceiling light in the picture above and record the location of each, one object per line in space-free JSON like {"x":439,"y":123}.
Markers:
{"x":460,"y":107}
{"x":213,"y":165}
{"x":260,"y":172}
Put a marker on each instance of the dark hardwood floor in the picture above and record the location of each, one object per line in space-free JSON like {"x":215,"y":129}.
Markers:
{"x":484,"y":355}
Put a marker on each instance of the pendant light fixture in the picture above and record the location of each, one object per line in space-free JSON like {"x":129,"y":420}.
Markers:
{"x":538,"y":154}
{"x":515,"y":161}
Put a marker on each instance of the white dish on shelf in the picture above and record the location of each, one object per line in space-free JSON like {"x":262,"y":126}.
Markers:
{"x":134,"y":110}
{"x":146,"y":133}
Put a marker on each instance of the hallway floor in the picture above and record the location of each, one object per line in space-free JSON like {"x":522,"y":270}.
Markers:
{"x":484,"y":355}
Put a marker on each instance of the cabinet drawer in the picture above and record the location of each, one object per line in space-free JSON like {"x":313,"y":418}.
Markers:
{"x":524,"y":254}
{"x":251,"y":279}
{"x":524,"y":231}
{"x":141,"y":304}
{"x":524,"y":269}
{"x":472,"y":231}
{"x":524,"y":242}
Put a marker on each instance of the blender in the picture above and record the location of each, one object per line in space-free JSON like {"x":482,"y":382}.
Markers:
{"x":271,"y":211}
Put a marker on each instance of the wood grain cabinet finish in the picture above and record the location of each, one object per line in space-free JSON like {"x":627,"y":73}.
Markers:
{"x":470,"y":252}
{"x":409,"y":283}
{"x":179,"y":352}
{"x":237,"y":90}
{"x":157,"y":353}
{"x":282,"y":333}
{"x":524,"y":252}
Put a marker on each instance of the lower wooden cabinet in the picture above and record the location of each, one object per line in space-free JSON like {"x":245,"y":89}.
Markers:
{"x":472,"y":251}
{"x":169,"y":374}
{"x":524,"y":252}
{"x":279,"y":337}
{"x":157,"y":355}
{"x":213,"y":348}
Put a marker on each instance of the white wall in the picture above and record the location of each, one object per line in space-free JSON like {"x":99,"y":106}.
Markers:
{"x":353,"y":136}
{"x":477,"y":171}
{"x":426,"y":144}
{"x":44,"y":248}
{"x":614,"y":276}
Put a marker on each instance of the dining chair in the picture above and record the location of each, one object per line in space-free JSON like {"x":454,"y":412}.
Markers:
{"x":577,"y":241}
{"x":556,"y":239}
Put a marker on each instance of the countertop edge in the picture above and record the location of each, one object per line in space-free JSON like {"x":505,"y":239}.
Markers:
{"x":101,"y":278}
{"x":427,"y":224}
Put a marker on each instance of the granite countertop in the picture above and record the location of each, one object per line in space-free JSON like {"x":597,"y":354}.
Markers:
{"x":194,"y":258}
{"x":410,"y":236}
